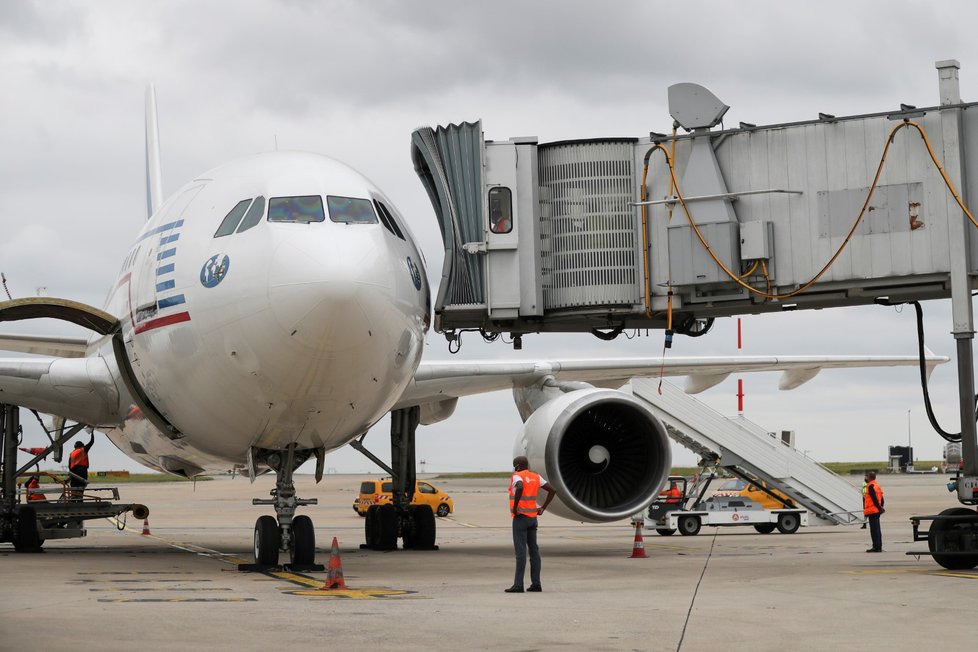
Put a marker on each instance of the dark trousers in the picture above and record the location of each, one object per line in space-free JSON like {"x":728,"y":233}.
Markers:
{"x":525,"y":536}
{"x":874,"y":531}
{"x":78,"y":484}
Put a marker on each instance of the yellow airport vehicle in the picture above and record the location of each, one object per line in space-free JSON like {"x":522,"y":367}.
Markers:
{"x":381,"y":492}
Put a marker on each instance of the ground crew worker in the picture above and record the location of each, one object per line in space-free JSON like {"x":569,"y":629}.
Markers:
{"x":78,"y":467}
{"x":523,"y":489}
{"x":33,"y":483}
{"x":672,"y":495}
{"x":872,"y":509}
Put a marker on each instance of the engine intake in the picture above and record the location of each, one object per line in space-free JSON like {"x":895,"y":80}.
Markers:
{"x":604,"y":453}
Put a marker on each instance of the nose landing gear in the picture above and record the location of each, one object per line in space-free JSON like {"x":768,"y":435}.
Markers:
{"x":285,"y":532}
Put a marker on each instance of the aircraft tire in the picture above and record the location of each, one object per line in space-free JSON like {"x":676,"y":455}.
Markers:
{"x":303,"y":541}
{"x":424,"y":527}
{"x":370,"y":527}
{"x":267,"y":539}
{"x":947,"y":536}
{"x":386,"y":528}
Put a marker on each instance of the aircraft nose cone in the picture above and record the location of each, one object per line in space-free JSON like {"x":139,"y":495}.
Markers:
{"x":326,"y":296}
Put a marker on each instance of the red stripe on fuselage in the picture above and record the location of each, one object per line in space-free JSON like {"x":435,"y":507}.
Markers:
{"x":162,"y":321}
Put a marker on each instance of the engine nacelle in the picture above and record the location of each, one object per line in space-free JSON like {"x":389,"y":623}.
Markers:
{"x":604,"y":453}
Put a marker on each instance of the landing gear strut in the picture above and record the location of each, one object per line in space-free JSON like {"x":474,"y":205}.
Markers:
{"x":289,"y":533}
{"x":413,"y":524}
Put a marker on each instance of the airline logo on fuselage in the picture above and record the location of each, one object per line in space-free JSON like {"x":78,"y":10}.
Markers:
{"x":170,"y":306}
{"x":415,"y":273}
{"x":214,"y":270}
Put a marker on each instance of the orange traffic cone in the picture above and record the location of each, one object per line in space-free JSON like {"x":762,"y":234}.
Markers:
{"x":638,"y":549}
{"x":334,"y":571}
{"x":146,"y":531}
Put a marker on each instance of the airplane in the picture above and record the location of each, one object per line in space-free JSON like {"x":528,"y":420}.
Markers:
{"x":275,"y":308}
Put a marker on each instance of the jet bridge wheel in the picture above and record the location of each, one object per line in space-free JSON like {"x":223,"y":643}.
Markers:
{"x":267,"y":539}
{"x":788,"y":523}
{"x":303,"y":552}
{"x":945,"y":536}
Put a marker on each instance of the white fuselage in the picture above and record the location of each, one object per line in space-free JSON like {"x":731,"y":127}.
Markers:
{"x":288,"y":331}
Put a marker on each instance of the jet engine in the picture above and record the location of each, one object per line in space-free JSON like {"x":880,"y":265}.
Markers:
{"x":604,"y":453}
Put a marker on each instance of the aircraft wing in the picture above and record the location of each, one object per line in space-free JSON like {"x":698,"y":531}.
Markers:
{"x":439,"y":381}
{"x":80,"y":389}
{"x":62,"y":347}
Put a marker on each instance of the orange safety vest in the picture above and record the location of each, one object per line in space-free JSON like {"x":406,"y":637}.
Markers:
{"x":78,"y":457}
{"x":868,"y":507}
{"x":528,"y":499}
{"x":672,"y":495}
{"x":33,"y":483}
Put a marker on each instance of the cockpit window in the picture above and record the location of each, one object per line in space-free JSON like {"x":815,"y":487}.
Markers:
{"x":304,"y":209}
{"x":231,"y":220}
{"x":253,"y":216}
{"x":350,"y":210}
{"x":388,"y":219}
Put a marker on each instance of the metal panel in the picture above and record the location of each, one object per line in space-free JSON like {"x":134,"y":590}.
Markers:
{"x":689,"y":262}
{"x":588,"y":232}
{"x":449,"y":162}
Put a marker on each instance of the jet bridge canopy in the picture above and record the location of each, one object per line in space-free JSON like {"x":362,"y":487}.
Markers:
{"x":621,"y":232}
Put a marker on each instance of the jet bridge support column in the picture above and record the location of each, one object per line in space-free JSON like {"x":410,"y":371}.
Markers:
{"x":962,"y":314}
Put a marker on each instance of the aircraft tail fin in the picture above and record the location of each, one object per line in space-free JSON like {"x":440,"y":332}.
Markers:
{"x":154,"y":175}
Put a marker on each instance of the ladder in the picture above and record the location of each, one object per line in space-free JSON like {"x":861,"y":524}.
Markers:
{"x":750,"y":451}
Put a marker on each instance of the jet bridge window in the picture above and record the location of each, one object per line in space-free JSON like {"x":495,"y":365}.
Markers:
{"x":350,"y":210}
{"x":231,"y":220}
{"x":305,"y":209}
{"x":253,"y":216}
{"x":500,"y":210}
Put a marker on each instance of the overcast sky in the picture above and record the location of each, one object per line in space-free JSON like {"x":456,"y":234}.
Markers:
{"x":353,"y":79}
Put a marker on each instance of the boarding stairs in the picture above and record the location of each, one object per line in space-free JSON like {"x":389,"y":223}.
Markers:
{"x":749,"y":451}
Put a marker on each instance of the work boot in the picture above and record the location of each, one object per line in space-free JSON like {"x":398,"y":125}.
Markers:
{"x":874,"y":550}
{"x":534,"y":588}
{"x":515,"y":589}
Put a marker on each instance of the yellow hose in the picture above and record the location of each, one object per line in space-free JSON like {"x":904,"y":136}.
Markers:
{"x":767,"y":295}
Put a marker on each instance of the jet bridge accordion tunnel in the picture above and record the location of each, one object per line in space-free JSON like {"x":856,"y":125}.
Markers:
{"x":663,"y":231}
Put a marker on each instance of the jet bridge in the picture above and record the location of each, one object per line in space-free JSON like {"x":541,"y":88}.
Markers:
{"x":672,"y":231}
{"x":667,"y":230}
{"x":750,"y":451}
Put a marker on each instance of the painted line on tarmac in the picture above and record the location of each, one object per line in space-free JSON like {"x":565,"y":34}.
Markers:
{"x":159,"y":588}
{"x":186,"y":547}
{"x":935,"y":572}
{"x":135,"y":573}
{"x":310,"y":586}
{"x":153,"y":580}
{"x":358,"y":594}
{"x":122,"y":600}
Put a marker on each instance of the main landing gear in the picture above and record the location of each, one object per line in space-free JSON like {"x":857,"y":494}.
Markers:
{"x":413,"y":524}
{"x":285,"y":532}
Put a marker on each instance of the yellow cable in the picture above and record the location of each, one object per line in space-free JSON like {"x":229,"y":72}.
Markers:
{"x":645,"y":238}
{"x":751,"y":270}
{"x":852,"y":230}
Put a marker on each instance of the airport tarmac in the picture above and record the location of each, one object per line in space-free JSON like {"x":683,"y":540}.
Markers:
{"x":178,"y":587}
